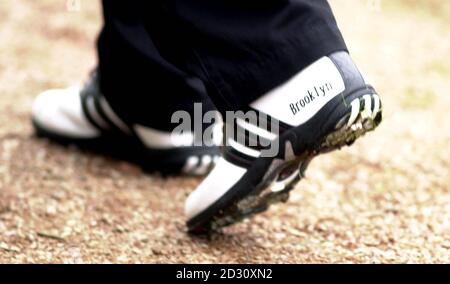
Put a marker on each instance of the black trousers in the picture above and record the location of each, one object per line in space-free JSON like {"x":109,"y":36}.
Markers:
{"x":160,"y":56}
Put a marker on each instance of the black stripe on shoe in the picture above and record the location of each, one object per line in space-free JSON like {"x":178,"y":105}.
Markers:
{"x":88,"y":112}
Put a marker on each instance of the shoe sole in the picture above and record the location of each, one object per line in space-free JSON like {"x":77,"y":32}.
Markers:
{"x":277,"y":176}
{"x":168,"y":162}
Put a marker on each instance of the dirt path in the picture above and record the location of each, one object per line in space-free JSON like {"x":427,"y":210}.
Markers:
{"x":387,"y":199}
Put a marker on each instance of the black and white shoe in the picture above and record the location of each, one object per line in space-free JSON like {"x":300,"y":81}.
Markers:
{"x":326,"y":106}
{"x":83,"y":117}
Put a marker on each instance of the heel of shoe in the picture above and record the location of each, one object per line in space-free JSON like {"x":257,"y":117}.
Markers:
{"x":364,"y":116}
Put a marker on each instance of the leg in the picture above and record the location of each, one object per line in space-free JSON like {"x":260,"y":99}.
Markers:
{"x":143,"y":84}
{"x":246,"y":49}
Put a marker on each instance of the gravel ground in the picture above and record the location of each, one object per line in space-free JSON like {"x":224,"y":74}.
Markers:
{"x":385,"y":200}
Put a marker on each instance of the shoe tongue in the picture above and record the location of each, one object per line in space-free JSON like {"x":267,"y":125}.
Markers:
{"x":300,"y":98}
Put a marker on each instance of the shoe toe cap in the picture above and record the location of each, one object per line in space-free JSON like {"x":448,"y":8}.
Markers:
{"x":60,"y":112}
{"x":221,"y":179}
